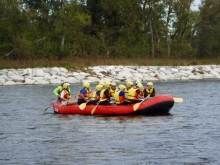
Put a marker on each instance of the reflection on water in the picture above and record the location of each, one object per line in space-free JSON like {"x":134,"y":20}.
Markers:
{"x":189,"y":135}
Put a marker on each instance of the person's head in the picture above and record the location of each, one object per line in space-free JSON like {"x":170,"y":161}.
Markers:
{"x":129,"y":84}
{"x":150,"y":85}
{"x":66,"y":86}
{"x":86,"y":85}
{"x":140,"y":86}
{"x":98,"y":87}
{"x":122,"y":87}
{"x":137,"y":82}
{"x":107,"y":84}
{"x":113,"y":85}
{"x":65,"y":81}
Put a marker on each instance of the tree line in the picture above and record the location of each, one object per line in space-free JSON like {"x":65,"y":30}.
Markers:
{"x":34,"y":29}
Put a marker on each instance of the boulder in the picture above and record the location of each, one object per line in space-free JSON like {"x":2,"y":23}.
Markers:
{"x":55,"y":81}
{"x":28,"y":81}
{"x":38,"y":72}
{"x":55,"y":71}
{"x":10,"y":83}
{"x":17,"y":78}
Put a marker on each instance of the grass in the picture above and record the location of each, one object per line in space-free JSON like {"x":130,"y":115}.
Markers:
{"x":80,"y":63}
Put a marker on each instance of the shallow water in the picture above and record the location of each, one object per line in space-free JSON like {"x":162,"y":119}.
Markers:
{"x":190,"y":135}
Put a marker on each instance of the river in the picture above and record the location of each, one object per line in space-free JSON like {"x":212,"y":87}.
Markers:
{"x":189,"y":135}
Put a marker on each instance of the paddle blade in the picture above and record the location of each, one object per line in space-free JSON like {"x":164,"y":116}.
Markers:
{"x":93,"y":109}
{"x":82,"y":106}
{"x":136,"y":106}
{"x":178,"y":100}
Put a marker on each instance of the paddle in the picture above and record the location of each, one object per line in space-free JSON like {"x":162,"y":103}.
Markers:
{"x":178,"y":100}
{"x":94,"y":108}
{"x":65,"y":103}
{"x":49,"y":106}
{"x":83,"y":105}
{"x":136,"y":106}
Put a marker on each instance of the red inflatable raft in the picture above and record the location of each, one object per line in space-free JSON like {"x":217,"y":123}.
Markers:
{"x":160,"y":104}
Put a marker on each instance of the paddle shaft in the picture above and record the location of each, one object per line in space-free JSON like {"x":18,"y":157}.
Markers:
{"x":49,"y":106}
{"x":65,"y":103}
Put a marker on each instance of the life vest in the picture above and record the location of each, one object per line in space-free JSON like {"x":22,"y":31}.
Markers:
{"x":85,"y":95}
{"x":149,"y":92}
{"x":66,"y":95}
{"x":103,"y":97}
{"x":95,"y":97}
{"x":118,"y":99}
{"x":132,"y":95}
{"x":90,"y":92}
{"x":111,"y":92}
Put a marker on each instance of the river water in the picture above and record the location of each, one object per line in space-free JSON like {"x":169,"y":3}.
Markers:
{"x":189,"y":135}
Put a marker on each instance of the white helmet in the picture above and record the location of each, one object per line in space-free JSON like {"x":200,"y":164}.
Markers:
{"x":140,"y":86}
{"x":150,"y":84}
{"x":121,"y":87}
{"x":86,"y":85}
{"x":98,"y":87}
{"x":129,"y":84}
{"x":66,"y":85}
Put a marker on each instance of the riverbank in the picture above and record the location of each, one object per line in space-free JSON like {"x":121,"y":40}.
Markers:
{"x":56,"y":75}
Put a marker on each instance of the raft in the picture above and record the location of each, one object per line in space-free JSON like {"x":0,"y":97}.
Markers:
{"x":157,"y":105}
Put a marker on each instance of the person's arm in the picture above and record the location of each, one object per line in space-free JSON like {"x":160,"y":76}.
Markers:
{"x":57,"y":91}
{"x":82,"y":93}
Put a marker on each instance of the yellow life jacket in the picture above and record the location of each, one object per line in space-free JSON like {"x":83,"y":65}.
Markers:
{"x":111,"y":92}
{"x":95,"y":97}
{"x":103,"y":97}
{"x":117,"y":98}
{"x":132,"y":95}
{"x":149,"y":91}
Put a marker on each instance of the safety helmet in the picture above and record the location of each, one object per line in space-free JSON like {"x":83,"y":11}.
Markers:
{"x":101,"y":83}
{"x":113,"y":84}
{"x":86,"y":85}
{"x":98,"y":87}
{"x":66,"y":85}
{"x":107,"y":84}
{"x":129,"y":84}
{"x":121,"y":87}
{"x":150,"y":84}
{"x":137,"y":82}
{"x":140,"y":86}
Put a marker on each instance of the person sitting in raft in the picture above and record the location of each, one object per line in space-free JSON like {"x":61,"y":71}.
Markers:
{"x":65,"y":96}
{"x":150,"y":90}
{"x":58,"y":89}
{"x":134,"y":94}
{"x":129,"y":85}
{"x":105,"y":94}
{"x":112,"y":89}
{"x":96,"y":94}
{"x":141,"y":87}
{"x":119,"y":96}
{"x":84,"y":93}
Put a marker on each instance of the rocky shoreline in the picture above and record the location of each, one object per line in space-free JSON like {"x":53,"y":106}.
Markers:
{"x":55,"y":75}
